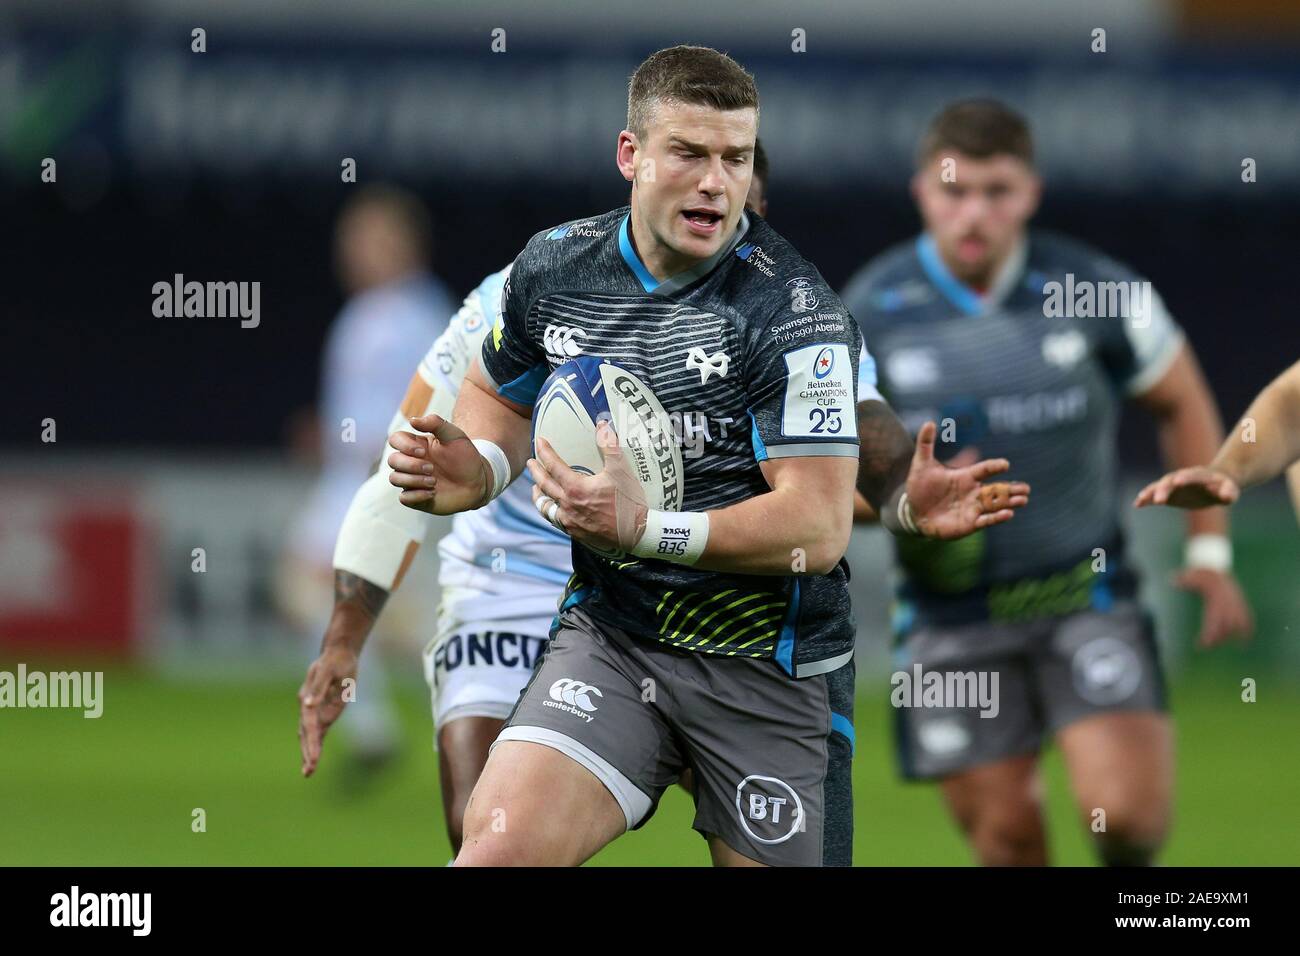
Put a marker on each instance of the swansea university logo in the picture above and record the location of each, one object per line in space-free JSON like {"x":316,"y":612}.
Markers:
{"x":803,"y":297}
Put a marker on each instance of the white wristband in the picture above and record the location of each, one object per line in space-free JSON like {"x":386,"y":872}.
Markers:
{"x":905,"y":516}
{"x":676,"y":536}
{"x":1213,"y":551}
{"x":499,"y":462}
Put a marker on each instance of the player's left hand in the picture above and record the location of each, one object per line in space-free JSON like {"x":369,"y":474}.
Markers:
{"x":607,"y":510}
{"x":1197,"y":487}
{"x":953,"y":502}
{"x":321,"y":702}
{"x":1225,"y":615}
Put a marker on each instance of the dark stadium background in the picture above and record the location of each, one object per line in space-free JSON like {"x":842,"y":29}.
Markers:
{"x":171,"y":161}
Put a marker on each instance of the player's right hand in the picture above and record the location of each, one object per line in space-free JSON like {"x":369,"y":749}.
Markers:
{"x":1198,"y":487}
{"x":321,"y":702}
{"x":440,"y":471}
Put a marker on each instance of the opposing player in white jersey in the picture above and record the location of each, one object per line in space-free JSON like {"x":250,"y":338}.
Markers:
{"x":502,"y":569}
{"x":395,"y":305}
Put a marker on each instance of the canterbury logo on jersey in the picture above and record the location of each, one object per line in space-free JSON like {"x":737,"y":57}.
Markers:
{"x":576,"y":694}
{"x":559,"y":341}
{"x":715,"y":364}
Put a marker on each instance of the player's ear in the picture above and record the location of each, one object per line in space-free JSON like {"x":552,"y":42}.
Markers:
{"x":625,"y":156}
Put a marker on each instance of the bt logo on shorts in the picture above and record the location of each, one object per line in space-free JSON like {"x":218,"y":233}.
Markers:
{"x":770,"y":810}
{"x":559,"y":341}
{"x":574,"y":697}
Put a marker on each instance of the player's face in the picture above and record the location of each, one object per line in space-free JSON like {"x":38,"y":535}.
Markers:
{"x":690,"y":173}
{"x":976,"y":209}
{"x":370,"y":250}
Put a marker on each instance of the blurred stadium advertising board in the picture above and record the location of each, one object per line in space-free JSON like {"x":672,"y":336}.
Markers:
{"x":256,"y":107}
{"x":73,"y":570}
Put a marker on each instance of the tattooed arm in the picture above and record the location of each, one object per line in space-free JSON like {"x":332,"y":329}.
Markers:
{"x":884,"y":456}
{"x":357,"y":604}
{"x":915,"y":494}
{"x":324,"y":693}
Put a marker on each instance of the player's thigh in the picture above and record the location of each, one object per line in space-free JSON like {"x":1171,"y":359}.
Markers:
{"x":1122,"y":764}
{"x":997,"y":800}
{"x":771,"y":761}
{"x":588,"y":727}
{"x":463,"y":746}
{"x":535,"y":806}
{"x":723,"y":855}
{"x":1103,"y":690}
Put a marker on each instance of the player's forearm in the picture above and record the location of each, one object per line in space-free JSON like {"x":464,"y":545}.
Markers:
{"x":379,"y":536}
{"x":786,"y":531}
{"x":357,"y":603}
{"x":884,"y":455}
{"x":482,"y":414}
{"x":1267,"y":439}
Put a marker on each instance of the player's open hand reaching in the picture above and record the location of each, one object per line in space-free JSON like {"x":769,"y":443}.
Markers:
{"x":439,"y":472}
{"x":1197,"y":487}
{"x":953,"y":502}
{"x":321,"y":701}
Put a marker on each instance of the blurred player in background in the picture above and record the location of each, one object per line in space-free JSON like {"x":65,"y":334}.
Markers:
{"x":502,"y":570}
{"x":383,"y":241}
{"x":1265,"y":443}
{"x":958,"y":320}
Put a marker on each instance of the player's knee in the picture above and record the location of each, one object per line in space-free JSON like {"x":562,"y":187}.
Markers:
{"x":1007,"y":832}
{"x":1130,"y":835}
{"x":482,"y":846}
{"x":1007,"y":840}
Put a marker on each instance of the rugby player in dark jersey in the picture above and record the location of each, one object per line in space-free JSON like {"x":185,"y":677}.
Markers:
{"x":723,"y":641}
{"x":1023,"y":345}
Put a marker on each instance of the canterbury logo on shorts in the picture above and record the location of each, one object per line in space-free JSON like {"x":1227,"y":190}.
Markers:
{"x":573,"y":696}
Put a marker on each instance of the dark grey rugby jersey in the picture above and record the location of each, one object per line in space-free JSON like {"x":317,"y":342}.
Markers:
{"x":1043,"y":391}
{"x":753,"y":357}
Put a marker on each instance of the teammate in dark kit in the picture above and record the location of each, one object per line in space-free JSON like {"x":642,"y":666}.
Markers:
{"x":723,"y":641}
{"x":1023,"y":345}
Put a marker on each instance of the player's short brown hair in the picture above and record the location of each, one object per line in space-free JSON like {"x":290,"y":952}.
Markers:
{"x":979,"y":128}
{"x":695,"y":75}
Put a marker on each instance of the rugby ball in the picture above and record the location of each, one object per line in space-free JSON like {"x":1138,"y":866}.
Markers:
{"x":584,"y":391}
